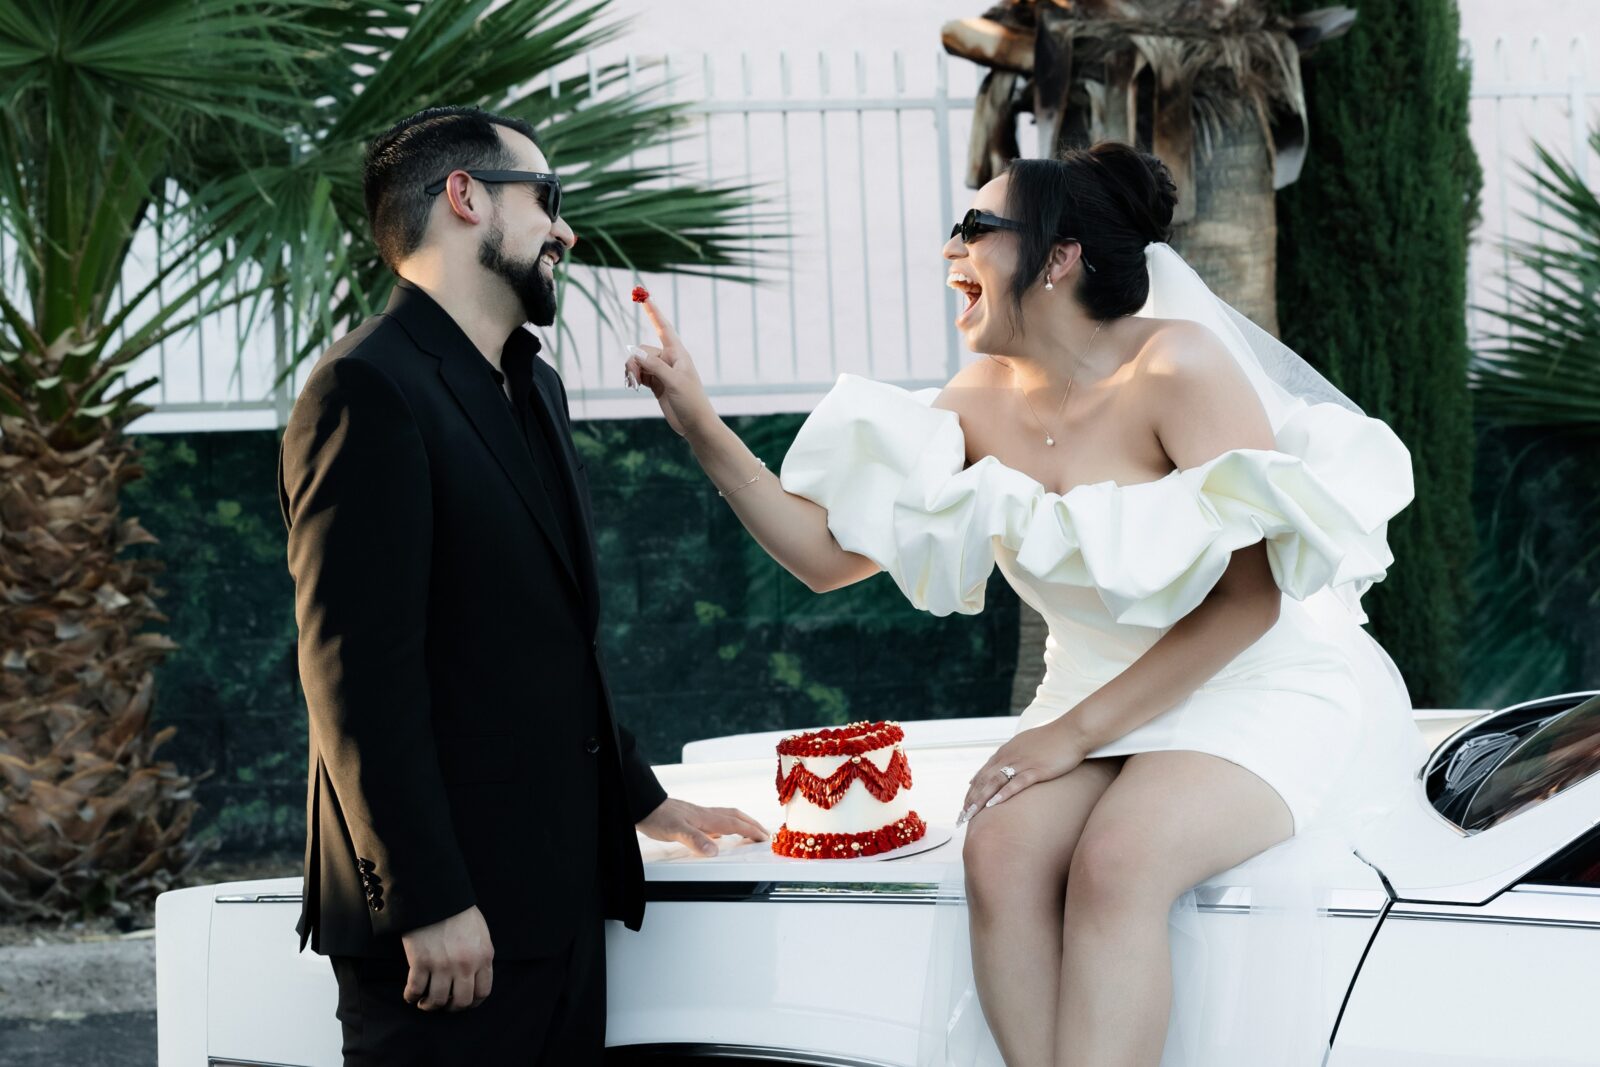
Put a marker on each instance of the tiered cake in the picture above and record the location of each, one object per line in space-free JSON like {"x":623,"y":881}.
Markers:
{"x":846,"y":793}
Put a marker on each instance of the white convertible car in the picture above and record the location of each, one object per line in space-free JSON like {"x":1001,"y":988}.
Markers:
{"x":1469,"y":937}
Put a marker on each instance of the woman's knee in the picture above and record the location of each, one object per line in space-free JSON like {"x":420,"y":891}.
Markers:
{"x":984,"y":860}
{"x":1000,"y":869}
{"x":1114,"y":869}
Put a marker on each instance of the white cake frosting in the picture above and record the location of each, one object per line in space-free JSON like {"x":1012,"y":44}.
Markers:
{"x":857,"y":811}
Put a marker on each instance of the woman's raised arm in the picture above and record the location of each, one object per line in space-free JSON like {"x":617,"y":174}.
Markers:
{"x":792,"y":530}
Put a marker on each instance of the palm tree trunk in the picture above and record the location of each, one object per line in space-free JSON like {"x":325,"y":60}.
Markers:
{"x":92,"y":821}
{"x":1232,"y":242}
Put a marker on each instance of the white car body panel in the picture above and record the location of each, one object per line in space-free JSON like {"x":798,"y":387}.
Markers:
{"x":751,"y":950}
{"x":1510,"y":984}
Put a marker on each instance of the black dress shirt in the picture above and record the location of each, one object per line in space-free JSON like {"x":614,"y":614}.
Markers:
{"x":517,"y":357}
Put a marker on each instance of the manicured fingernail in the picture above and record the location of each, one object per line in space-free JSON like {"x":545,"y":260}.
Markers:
{"x":635,"y":350}
{"x":997,"y":798}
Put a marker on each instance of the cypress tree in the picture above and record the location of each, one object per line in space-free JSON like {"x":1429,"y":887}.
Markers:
{"x":1372,"y":261}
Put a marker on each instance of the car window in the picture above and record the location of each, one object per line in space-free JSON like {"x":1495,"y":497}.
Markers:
{"x":1576,"y":865}
{"x":1563,"y":752}
{"x":1511,"y":760}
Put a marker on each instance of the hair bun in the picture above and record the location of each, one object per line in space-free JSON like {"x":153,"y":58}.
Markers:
{"x":1163,"y":195}
{"x":1142,"y":184}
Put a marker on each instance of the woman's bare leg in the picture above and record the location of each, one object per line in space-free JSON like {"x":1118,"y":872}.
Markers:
{"x":1016,"y":857}
{"x":1168,"y":822}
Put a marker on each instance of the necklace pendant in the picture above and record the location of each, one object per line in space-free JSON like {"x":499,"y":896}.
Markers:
{"x":1049,"y":440}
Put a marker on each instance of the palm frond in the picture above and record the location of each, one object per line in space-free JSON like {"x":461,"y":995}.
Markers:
{"x":241,"y":124}
{"x":1536,"y":391}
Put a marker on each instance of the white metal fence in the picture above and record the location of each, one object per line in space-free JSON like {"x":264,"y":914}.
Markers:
{"x":867,"y":162}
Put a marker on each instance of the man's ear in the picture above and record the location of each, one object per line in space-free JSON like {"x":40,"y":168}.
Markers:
{"x":458,"y":191}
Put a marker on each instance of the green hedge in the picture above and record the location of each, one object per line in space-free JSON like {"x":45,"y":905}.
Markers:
{"x":703,"y":633}
{"x":1372,"y":253}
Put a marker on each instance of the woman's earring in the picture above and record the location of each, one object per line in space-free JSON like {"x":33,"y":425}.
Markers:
{"x":1048,"y":284}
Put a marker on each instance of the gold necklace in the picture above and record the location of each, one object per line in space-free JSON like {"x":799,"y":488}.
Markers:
{"x":1049,"y":438}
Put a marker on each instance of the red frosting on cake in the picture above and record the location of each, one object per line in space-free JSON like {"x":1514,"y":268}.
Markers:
{"x":802,"y":846}
{"x":851,"y":740}
{"x":827,"y":792}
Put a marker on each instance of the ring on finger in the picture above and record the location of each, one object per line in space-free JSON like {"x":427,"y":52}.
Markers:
{"x":1009,"y":772}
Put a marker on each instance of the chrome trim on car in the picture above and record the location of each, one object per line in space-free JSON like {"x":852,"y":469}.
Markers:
{"x":1220,"y":899}
{"x":698,"y":892}
{"x":1558,"y":889}
{"x":641,"y":1054}
{"x":1344,"y":903}
{"x":1567,"y":907}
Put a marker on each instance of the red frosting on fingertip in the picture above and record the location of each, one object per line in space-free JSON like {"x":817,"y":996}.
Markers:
{"x":640,"y":294}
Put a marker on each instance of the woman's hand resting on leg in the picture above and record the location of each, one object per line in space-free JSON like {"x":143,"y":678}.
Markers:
{"x":1037,"y":755}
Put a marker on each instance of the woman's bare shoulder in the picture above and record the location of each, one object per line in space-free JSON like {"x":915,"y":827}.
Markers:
{"x":1179,"y":349}
{"x":1200,"y":401}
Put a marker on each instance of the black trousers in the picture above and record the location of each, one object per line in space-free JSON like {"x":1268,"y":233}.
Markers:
{"x":544,"y":1012}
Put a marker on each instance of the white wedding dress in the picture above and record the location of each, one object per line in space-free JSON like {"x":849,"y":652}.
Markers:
{"x":1314,"y":707}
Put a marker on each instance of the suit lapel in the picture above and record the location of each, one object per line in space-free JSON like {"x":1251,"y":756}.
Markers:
{"x":474,"y":391}
{"x":568,"y":461}
{"x":460,"y":366}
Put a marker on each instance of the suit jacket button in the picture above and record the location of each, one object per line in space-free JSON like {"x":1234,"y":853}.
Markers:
{"x":592,"y":745}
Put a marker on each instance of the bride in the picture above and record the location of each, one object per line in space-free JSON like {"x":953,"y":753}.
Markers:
{"x":1196,"y":513}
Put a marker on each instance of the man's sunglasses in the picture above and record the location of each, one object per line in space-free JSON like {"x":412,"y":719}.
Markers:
{"x":975,"y":224}
{"x":551,"y":183}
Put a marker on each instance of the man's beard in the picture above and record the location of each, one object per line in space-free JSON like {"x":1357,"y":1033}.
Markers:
{"x":536,"y":291}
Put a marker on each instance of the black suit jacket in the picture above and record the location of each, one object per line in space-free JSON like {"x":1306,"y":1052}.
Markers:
{"x":459,"y":715}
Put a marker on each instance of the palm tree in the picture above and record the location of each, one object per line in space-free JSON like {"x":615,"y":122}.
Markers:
{"x":1536,"y":398}
{"x":234,"y":127}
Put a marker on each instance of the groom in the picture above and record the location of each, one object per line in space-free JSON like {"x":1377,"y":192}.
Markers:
{"x":471,"y":802}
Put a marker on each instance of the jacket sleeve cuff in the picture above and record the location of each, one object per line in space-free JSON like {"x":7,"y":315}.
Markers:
{"x":407,"y":910}
{"x":644,"y":791}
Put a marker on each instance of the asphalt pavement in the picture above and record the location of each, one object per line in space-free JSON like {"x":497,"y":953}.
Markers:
{"x":123,"y":1039}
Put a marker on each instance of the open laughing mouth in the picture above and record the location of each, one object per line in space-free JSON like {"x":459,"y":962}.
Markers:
{"x":970,"y":289}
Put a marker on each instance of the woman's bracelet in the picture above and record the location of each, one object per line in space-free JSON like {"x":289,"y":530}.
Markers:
{"x":752,"y":481}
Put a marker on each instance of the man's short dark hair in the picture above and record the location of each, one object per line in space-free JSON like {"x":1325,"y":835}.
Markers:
{"x":421,"y":149}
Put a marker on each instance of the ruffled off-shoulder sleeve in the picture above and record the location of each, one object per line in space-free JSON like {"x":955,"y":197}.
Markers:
{"x":888,"y":467}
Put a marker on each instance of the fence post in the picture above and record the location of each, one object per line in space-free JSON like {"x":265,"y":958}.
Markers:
{"x":941,"y":122}
{"x":283,"y":391}
{"x":1577,"y":97}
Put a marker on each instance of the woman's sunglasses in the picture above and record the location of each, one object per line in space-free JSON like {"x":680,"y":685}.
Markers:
{"x":551,"y":184}
{"x":976,"y":223}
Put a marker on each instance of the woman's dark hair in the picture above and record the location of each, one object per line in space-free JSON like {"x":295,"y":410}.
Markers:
{"x":1111,"y":198}
{"x":419,"y":149}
